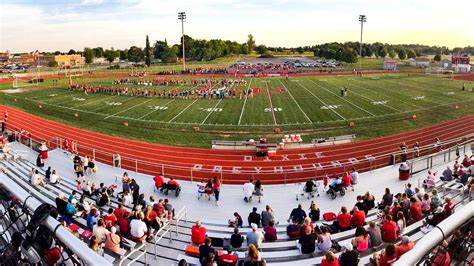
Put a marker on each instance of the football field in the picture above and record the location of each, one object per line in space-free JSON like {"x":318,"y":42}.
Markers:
{"x":294,"y":103}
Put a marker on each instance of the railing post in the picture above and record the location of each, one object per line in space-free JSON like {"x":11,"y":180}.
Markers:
{"x":93,"y":153}
{"x":163,"y":170}
{"x":284,"y":175}
{"x":191,"y":175}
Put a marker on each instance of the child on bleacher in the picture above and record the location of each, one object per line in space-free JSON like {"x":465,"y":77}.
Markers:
{"x":201,"y":188}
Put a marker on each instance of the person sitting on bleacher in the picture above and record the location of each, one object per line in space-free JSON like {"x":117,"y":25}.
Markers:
{"x":255,"y":237}
{"x":91,"y":219}
{"x":71,"y":210}
{"x":348,"y":256}
{"x":425,"y":203}
{"x":415,"y":210}
{"x":104,"y":198}
{"x":254,"y":217}
{"x":112,"y":241}
{"x":419,"y":193}
{"x":109,"y":219}
{"x":387,"y":199}
{"x":253,"y":257}
{"x":409,"y":190}
{"x":293,"y":229}
{"x":369,"y":200}
{"x":343,"y":220}
{"x":314,"y":212}
{"x":267,"y":216}
{"x":346,"y":180}
{"x":389,"y":229}
{"x":54,"y":178}
{"x":329,"y":259}
{"x":430,"y":181}
{"x":119,"y":212}
{"x":405,"y":246}
{"x":198,"y":233}
{"x":37,"y":180}
{"x":61,"y":203}
{"x":324,"y":239}
{"x":236,"y":221}
{"x":354,"y":176}
{"x":361,"y":205}
{"x":124,"y":224}
{"x":151,"y":218}
{"x":437,"y":217}
{"x":138,"y":228}
{"x":447,"y":174}
{"x":270,"y":232}
{"x":361,"y":239}
{"x":100,"y":231}
{"x":336,"y":182}
{"x":236,"y":239}
{"x":127,"y":199}
{"x":297,"y":214}
{"x":466,"y":161}
{"x":464,"y":177}
{"x":389,"y":255}
{"x":307,"y":241}
{"x":358,"y":217}
{"x":307,"y":223}
{"x":375,"y":235}
{"x":205,"y":250}
{"x":228,"y":259}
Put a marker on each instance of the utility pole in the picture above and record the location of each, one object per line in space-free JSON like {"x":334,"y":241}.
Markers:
{"x":362,"y":19}
{"x":182,"y":17}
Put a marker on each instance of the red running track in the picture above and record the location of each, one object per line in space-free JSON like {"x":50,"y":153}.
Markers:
{"x":294,"y":165}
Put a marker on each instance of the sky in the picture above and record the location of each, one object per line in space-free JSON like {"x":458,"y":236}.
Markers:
{"x":47,"y":25}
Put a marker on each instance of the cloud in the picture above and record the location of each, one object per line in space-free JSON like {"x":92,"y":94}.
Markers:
{"x":91,"y":2}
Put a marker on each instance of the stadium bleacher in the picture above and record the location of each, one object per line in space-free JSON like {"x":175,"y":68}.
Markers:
{"x":284,"y":251}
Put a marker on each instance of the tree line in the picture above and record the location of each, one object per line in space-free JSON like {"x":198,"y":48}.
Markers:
{"x":205,"y":50}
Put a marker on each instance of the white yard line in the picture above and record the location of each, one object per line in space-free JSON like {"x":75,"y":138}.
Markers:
{"x":271,"y":104}
{"x":299,"y":83}
{"x":152,"y":111}
{"x":212,"y":110}
{"x":107,"y":106}
{"x":297,"y":104}
{"x":87,"y":103}
{"x":182,"y":111}
{"x":342,"y":98}
{"x":243,"y":107}
{"x":124,"y":110}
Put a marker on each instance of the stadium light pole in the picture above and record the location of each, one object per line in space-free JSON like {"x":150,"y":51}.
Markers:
{"x":362,"y":19}
{"x":182,"y":17}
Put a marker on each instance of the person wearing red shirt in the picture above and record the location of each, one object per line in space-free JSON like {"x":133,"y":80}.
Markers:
{"x":119,"y":212}
{"x":415,"y":210}
{"x":330,"y":259}
{"x":389,"y":256}
{"x":358,"y":217}
{"x":343,"y":220}
{"x":159,"y":181}
{"x":198,"y":233}
{"x":124,"y":224}
{"x":110,"y":219}
{"x":404,"y":247}
{"x":159,"y":208}
{"x":270,"y":232}
{"x":389,"y":229}
{"x":228,"y":259}
{"x":449,"y":206}
{"x":346,"y":180}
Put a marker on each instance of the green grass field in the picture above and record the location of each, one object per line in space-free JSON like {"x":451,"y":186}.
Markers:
{"x":378,"y":104}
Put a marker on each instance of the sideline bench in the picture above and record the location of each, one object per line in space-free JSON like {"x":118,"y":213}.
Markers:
{"x":233,"y":145}
{"x":333,"y":140}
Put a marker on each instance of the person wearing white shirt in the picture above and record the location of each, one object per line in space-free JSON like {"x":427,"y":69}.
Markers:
{"x":127,"y":199}
{"x":249,"y":188}
{"x":54,"y":178}
{"x":354,"y":176}
{"x":100,"y":231}
{"x":138,"y":228}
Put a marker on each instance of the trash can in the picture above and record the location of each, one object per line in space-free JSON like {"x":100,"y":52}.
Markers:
{"x":43,"y":151}
{"x":404,"y":171}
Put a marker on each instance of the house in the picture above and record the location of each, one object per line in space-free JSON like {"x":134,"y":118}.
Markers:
{"x":390,"y":65}
{"x":421,"y":62}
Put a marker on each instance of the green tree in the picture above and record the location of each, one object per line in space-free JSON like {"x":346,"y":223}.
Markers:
{"x":244,"y":48}
{"x":57,"y":53}
{"x":169,"y":54}
{"x":392,"y":54}
{"x":72,"y":51}
{"x":147,"y":52}
{"x":88,"y":55}
{"x":349,"y":55}
{"x":98,"y":52}
{"x":402,"y":54}
{"x":300,"y":50}
{"x":382,"y":52}
{"x":135,"y":54}
{"x":437,"y":58}
{"x":110,"y":55}
{"x":411,"y":53}
{"x":250,"y":43}
{"x":159,"y":48}
{"x":368,"y":52}
{"x":261,"y":49}
{"x":123,"y":54}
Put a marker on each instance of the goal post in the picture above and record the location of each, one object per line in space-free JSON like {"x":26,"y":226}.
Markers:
{"x":440,"y":71}
{"x":19,"y":82}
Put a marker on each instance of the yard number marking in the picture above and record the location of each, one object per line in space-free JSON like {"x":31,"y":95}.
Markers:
{"x":78,"y":99}
{"x":113,"y":103}
{"x":156,"y":108}
{"x":448,"y":93}
{"x":211,"y":109}
{"x":379,"y":102}
{"x":275,"y":109}
{"x":419,"y":98}
{"x":53,"y":95}
{"x":330,"y":107}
